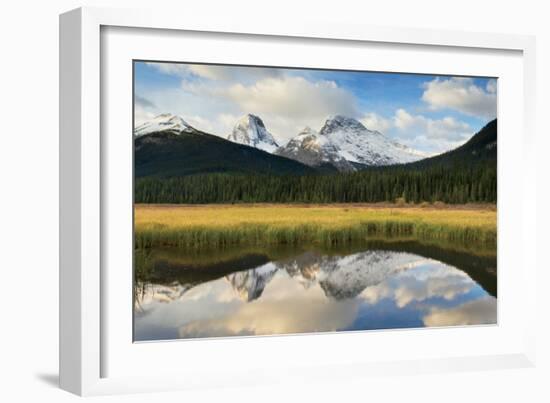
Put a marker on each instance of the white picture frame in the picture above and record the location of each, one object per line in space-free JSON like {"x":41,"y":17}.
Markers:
{"x":86,"y":345}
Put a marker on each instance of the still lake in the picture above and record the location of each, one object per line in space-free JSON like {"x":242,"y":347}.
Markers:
{"x":285,"y":290}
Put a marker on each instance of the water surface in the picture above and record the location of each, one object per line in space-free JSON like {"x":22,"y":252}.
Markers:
{"x":304,"y":290}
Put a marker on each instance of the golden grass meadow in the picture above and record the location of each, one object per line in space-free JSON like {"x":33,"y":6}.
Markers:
{"x":203,"y":226}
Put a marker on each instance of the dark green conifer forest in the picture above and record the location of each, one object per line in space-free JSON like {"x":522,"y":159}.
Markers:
{"x":469,"y":184}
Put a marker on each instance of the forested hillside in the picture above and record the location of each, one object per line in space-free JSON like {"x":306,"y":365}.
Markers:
{"x":166,"y":154}
{"x":466,"y":174}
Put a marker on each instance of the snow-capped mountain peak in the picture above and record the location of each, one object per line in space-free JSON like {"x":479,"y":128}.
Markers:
{"x":343,"y":143}
{"x":312,"y":149}
{"x":251,"y":131}
{"x":164,"y":122}
{"x":361,"y":145}
{"x":340,"y":122}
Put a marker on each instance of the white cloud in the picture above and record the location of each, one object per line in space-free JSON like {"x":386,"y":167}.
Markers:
{"x":447,"y":128}
{"x":373,"y":121}
{"x":173,"y":69}
{"x":266,"y":315}
{"x":211,"y":72}
{"x":431,"y":135}
{"x":420,"y":284}
{"x":432,"y":146}
{"x":227,"y":119}
{"x":293,"y":97}
{"x":216,"y":72}
{"x":233,"y":72}
{"x":144,"y":110}
{"x":144,"y":102}
{"x":481,"y":311}
{"x":201,"y":123}
{"x":463,"y":95}
{"x":286,"y":104}
{"x":142,"y":115}
{"x":492,"y":86}
{"x":201,"y":112}
{"x":420,"y":132}
{"x":214,"y":97}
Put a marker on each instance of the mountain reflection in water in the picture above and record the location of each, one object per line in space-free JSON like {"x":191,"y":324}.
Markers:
{"x":311,"y":291}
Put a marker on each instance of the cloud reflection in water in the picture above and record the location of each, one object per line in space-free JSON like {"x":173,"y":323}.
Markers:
{"x":313,"y":292}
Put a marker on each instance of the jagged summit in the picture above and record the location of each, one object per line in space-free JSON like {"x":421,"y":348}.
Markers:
{"x":360,"y":145}
{"x":342,"y":144}
{"x":311,"y":148}
{"x":340,"y":122}
{"x":251,"y":131}
{"x":347,"y":145}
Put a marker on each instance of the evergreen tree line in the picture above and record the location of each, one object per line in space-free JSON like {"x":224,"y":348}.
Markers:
{"x":449,"y":184}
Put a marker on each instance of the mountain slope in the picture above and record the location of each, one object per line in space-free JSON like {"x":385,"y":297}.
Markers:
{"x":168,"y":154}
{"x":360,"y":145}
{"x":481,"y":148}
{"x":345,"y":145}
{"x":250,"y":130}
{"x":312,"y":149}
{"x":164,"y":122}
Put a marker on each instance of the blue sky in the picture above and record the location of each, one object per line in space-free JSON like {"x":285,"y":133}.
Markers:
{"x":428,"y":112}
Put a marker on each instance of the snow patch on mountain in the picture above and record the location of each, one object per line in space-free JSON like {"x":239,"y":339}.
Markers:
{"x":250,"y":130}
{"x":164,"y":122}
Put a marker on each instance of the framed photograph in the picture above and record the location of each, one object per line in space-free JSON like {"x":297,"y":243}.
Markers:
{"x":242,"y":202}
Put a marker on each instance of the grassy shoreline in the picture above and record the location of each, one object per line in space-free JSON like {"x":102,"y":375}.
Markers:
{"x":207,"y":226}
